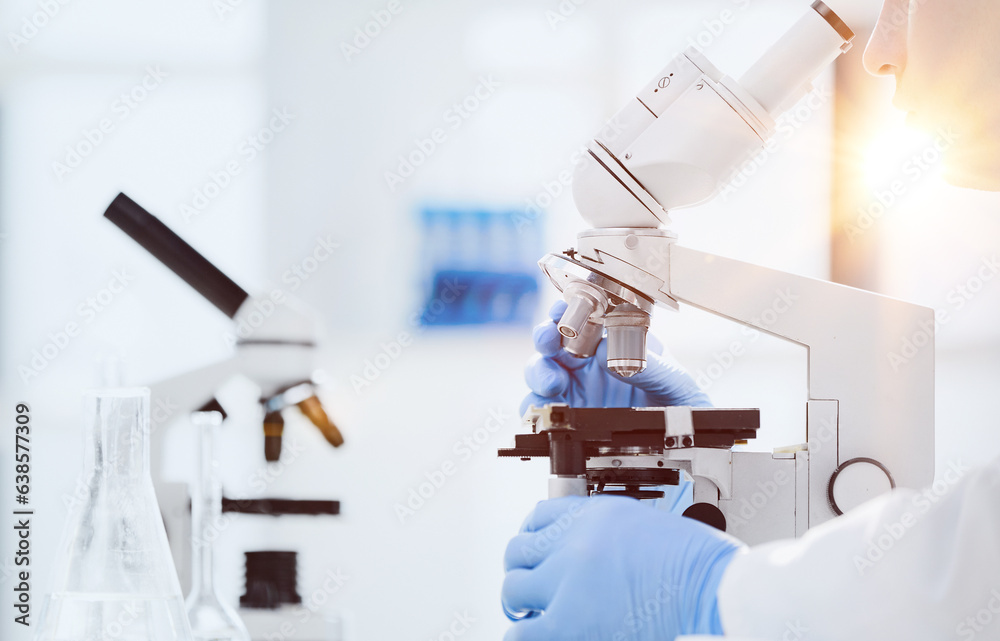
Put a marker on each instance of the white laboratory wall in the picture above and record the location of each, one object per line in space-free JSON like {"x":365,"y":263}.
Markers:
{"x":449,"y":397}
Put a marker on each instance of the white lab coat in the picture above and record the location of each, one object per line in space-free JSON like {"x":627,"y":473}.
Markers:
{"x":908,"y":565}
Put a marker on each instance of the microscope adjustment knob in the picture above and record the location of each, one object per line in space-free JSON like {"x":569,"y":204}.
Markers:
{"x":314,"y":411}
{"x":856,"y":481}
{"x":274,"y":426}
{"x":707,"y":514}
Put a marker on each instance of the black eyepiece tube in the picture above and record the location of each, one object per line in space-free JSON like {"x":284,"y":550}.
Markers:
{"x":171,"y":250}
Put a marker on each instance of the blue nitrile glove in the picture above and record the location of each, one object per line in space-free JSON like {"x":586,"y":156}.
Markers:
{"x":611,"y":568}
{"x":556,"y":376}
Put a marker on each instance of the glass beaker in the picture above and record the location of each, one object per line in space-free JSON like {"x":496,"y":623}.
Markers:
{"x":114,"y":577}
{"x":211,"y":619}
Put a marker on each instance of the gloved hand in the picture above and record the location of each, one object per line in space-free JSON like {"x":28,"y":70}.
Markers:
{"x":610,"y":568}
{"x":556,"y":376}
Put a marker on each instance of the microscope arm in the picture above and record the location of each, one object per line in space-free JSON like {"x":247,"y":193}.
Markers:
{"x":872,"y":354}
{"x":870,"y":402}
{"x":176,"y":397}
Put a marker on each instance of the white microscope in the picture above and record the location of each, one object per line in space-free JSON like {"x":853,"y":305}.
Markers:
{"x":275,"y":340}
{"x":870,"y":417}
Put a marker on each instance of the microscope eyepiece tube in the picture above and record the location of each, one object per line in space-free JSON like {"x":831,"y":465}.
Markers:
{"x":786,"y":71}
{"x":171,"y":250}
{"x":627,"y":327}
{"x":830,"y":16}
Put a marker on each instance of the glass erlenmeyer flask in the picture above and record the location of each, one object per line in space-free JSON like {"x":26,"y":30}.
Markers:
{"x":211,"y":619}
{"x":114,"y":578}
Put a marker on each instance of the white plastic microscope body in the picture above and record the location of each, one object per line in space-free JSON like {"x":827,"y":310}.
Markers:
{"x":275,"y":345}
{"x":870,"y":418}
{"x":275,"y":342}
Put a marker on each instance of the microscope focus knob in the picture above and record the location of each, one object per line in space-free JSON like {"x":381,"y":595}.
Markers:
{"x":707,"y":514}
{"x":856,"y":481}
{"x":314,"y":411}
{"x":274,"y":426}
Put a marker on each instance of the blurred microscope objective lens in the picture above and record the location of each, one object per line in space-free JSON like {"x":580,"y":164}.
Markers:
{"x":314,"y":411}
{"x":627,"y":326}
{"x":274,"y":427}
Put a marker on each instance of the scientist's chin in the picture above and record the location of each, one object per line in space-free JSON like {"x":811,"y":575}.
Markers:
{"x":973,"y":167}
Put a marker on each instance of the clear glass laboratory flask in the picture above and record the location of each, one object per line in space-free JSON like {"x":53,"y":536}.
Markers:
{"x":114,"y":577}
{"x":211,"y":619}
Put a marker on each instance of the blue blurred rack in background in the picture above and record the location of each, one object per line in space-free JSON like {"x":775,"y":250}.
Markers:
{"x":480,"y":266}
